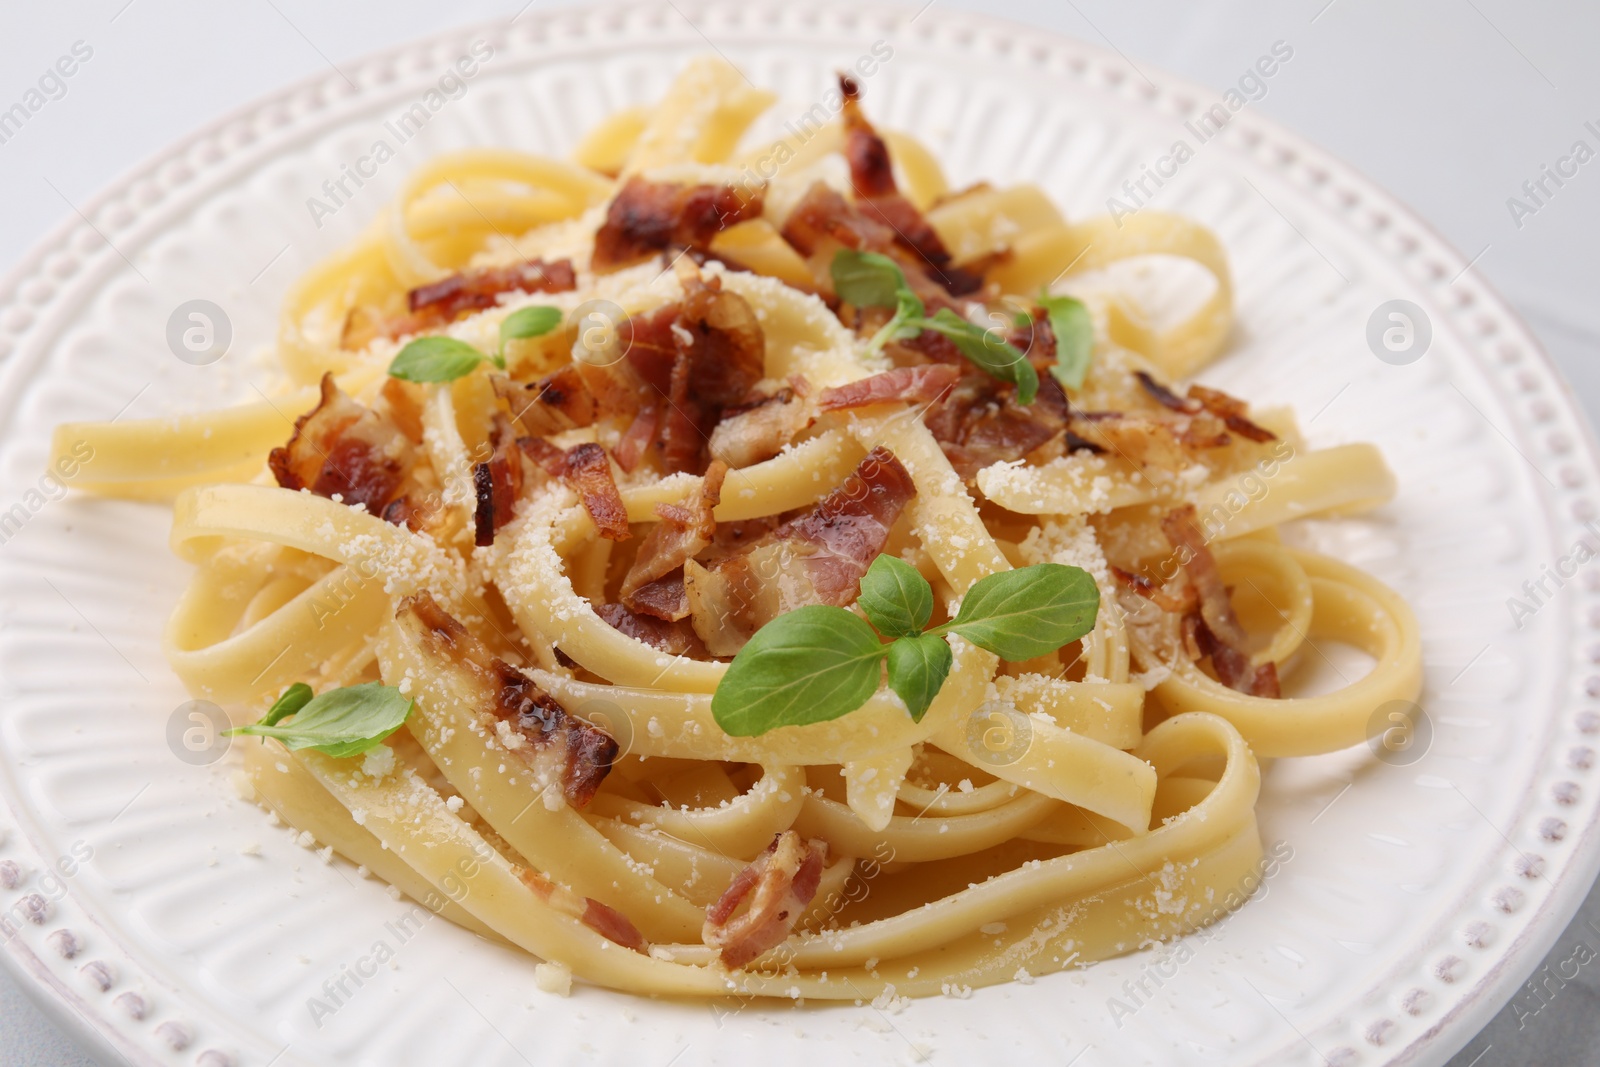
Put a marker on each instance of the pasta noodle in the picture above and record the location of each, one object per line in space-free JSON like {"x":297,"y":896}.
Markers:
{"x":557,"y":550}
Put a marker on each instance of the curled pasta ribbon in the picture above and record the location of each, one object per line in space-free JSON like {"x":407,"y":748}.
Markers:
{"x":1042,"y":249}
{"x":1346,"y":605}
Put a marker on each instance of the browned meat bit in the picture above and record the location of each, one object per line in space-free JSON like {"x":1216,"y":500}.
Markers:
{"x":648,"y":217}
{"x":913,"y":385}
{"x":499,"y":482}
{"x":1230,"y":410}
{"x":342,"y":450}
{"x":699,"y":358}
{"x":817,"y":557}
{"x":779,"y":885}
{"x":433,"y":305}
{"x":526,"y":720}
{"x":603,"y":919}
{"x":475,"y":290}
{"x":760,"y":429}
{"x":980,"y":423}
{"x":879,"y":198}
{"x":1215,"y":629}
{"x":674,"y":638}
{"x":654,"y":584}
{"x":844,"y":533}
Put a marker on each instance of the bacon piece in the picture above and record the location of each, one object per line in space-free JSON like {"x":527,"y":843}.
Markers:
{"x":527,"y":721}
{"x":603,"y":919}
{"x":757,"y":431}
{"x":341,"y":449}
{"x":588,"y":471}
{"x":1164,"y":396}
{"x":701,"y":357}
{"x":914,"y":385}
{"x":674,"y":638}
{"x":665,"y":598}
{"x":637,"y":437}
{"x":1163,"y":442}
{"x":612,"y":925}
{"x":647,"y":217}
{"x":844,"y":533}
{"x":682,"y":532}
{"x":438,"y":303}
{"x":497,"y":482}
{"x":553,"y":404}
{"x":980,"y":423}
{"x":474,"y":290}
{"x":1231,"y":411}
{"x":879,"y":197}
{"x":779,"y":884}
{"x":1218,"y":633}
{"x":1153,"y":592}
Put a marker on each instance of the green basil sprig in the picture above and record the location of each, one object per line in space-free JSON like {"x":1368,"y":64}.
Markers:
{"x":870,"y":279}
{"x":339,"y":723}
{"x":819,"y":662}
{"x":444,"y":359}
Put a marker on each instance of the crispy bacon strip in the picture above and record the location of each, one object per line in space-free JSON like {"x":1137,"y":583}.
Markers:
{"x":647,"y":217}
{"x":844,"y":533}
{"x":1230,"y":410}
{"x":341,"y":449}
{"x":750,"y":433}
{"x":526,"y":720}
{"x":879,"y":197}
{"x":913,"y":385}
{"x":474,"y":290}
{"x":437,"y":303}
{"x":1153,"y":592}
{"x":699,"y":357}
{"x":1218,"y":634}
{"x":979,"y":422}
{"x":779,"y":885}
{"x":674,"y":638}
{"x":603,"y":919}
{"x":588,"y":471}
{"x":682,"y":532}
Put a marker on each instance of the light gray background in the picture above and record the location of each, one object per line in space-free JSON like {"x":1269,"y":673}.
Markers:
{"x":1450,"y":104}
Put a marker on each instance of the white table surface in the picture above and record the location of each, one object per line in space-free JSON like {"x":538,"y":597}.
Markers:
{"x":1450,"y":104}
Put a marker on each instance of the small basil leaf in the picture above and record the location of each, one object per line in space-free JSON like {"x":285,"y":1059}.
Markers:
{"x":1028,"y":612}
{"x":341,"y":722}
{"x":530,"y":322}
{"x":918,"y":666}
{"x":906,"y":323}
{"x":1074,"y":329}
{"x":294,"y":698}
{"x":435,"y":359}
{"x":994,"y":356}
{"x":867,"y":279}
{"x":811,"y":665}
{"x":895,"y":597}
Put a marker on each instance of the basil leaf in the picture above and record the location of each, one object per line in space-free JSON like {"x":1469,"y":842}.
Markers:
{"x":918,"y":667}
{"x":529,"y":322}
{"x":294,"y":698}
{"x":1028,"y":612}
{"x":1074,"y":329}
{"x":868,"y":279}
{"x":996,"y":357}
{"x":435,"y":359}
{"x":811,"y":665}
{"x":341,"y":722}
{"x":895,"y":597}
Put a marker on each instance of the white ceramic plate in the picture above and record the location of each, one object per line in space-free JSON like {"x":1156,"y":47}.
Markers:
{"x":189,"y":930}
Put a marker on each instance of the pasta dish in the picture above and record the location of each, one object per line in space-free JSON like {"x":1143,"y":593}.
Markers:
{"x":766,"y":571}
